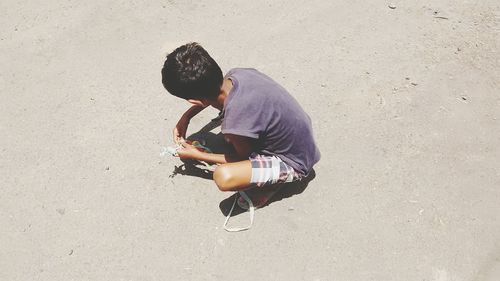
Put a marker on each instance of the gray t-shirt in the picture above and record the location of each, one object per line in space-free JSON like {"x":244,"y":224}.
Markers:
{"x":257,"y":107}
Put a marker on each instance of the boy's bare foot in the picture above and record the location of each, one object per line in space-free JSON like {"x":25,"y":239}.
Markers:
{"x":260,"y":196}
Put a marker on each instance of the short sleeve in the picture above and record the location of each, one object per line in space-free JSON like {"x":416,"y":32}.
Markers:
{"x":243,"y":110}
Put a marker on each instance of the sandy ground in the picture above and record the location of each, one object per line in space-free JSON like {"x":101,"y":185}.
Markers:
{"x":405,"y":104}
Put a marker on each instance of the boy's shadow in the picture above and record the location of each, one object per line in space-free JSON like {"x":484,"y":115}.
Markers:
{"x":192,"y":169}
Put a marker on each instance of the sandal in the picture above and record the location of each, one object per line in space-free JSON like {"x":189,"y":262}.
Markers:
{"x":257,"y":203}
{"x":251,"y":208}
{"x":260,"y":197}
{"x":245,"y":203}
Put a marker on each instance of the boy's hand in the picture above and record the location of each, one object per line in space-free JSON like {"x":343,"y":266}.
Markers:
{"x":179,"y":132}
{"x":188,"y":151}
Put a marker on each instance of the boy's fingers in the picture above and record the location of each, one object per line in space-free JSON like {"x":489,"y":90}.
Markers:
{"x":183,"y":143}
{"x":178,"y":139}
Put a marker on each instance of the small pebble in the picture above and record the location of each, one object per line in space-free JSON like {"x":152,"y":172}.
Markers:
{"x":414,"y":84}
{"x":107,"y":168}
{"x":392,"y":6}
{"x":464,"y":99}
{"x":291,"y":208}
{"x":70,"y":252}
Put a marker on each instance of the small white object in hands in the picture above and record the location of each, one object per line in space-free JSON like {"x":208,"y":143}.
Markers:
{"x":172,"y":151}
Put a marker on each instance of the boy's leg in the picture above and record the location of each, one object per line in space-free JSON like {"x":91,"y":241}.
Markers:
{"x":233,"y":176}
{"x":261,"y":171}
{"x":238,"y":176}
{"x":269,"y":174}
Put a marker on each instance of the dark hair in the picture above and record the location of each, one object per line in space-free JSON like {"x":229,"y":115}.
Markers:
{"x":189,"y":72}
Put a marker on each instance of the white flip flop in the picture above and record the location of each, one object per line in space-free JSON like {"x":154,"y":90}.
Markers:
{"x":251,"y":209}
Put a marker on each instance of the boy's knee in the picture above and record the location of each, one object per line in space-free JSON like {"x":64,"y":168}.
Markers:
{"x":223,"y":178}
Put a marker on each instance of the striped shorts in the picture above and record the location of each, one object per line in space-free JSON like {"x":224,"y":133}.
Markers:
{"x":268,"y":170}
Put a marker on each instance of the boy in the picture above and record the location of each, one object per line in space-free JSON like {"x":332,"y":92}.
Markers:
{"x":271,"y":134}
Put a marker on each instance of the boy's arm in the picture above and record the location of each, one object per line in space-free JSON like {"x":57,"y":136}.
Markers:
{"x":180,"y":129}
{"x":242,"y":145}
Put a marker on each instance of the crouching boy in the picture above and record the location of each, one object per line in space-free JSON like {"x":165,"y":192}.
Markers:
{"x":270,"y":132}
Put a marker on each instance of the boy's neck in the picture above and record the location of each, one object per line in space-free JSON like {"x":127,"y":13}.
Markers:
{"x":225,"y":89}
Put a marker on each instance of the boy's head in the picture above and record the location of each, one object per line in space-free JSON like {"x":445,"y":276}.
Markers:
{"x":189,"y":72}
